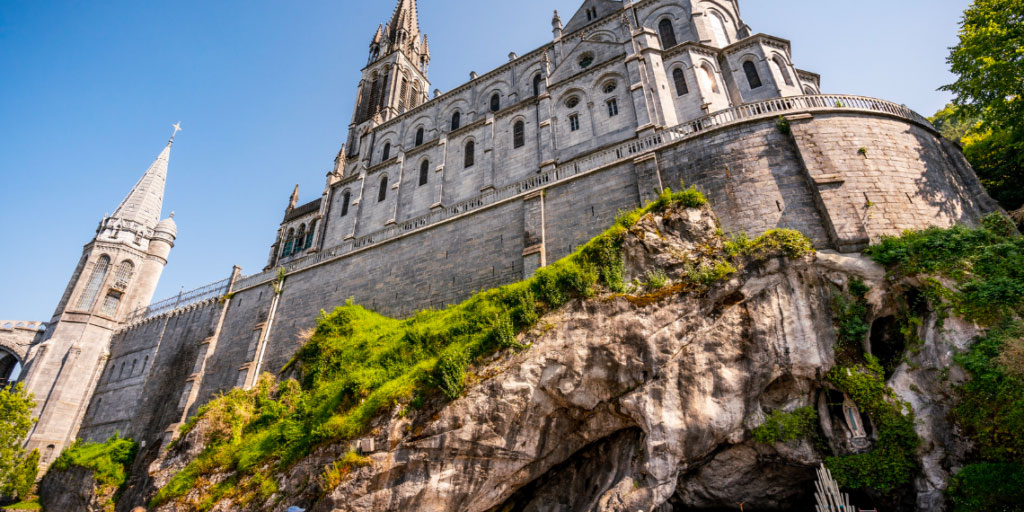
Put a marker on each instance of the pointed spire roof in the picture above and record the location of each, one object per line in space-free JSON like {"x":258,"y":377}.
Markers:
{"x":405,"y":17}
{"x":380,"y":33}
{"x":145,"y":201}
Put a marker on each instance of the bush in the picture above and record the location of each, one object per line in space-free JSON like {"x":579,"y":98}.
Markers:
{"x":852,"y":315}
{"x":777,"y":242}
{"x":656,"y":279}
{"x":988,"y":487}
{"x":450,"y":374}
{"x":109,"y":461}
{"x":787,"y":426}
{"x":17,"y":469}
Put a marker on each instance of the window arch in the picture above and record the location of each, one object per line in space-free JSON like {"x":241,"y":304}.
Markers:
{"x":300,"y":238}
{"x":469,"y":157}
{"x":346,"y":200}
{"x":309,"y":235}
{"x":809,"y":90}
{"x":386,"y":154}
{"x":419,"y":136}
{"x":536,"y":84}
{"x":753,"y":79}
{"x":679,"y":77}
{"x":424,"y":172}
{"x":495,"y":102}
{"x":92,"y":287}
{"x":123,"y":275}
{"x":667,"y":32}
{"x":708,"y":77}
{"x":782,"y":69}
{"x":718,"y":28}
{"x":382,"y":193}
{"x":289,"y":242}
{"x":518,"y":134}
{"x":456,"y":120}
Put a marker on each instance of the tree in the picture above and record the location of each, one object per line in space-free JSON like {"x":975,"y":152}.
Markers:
{"x":989,"y":64}
{"x":17,"y":471}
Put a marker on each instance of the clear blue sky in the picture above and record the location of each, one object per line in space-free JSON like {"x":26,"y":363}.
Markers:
{"x":264,"y":91}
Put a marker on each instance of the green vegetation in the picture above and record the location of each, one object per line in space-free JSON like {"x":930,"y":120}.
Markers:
{"x":32,"y":504}
{"x":783,"y":125}
{"x":108,"y":461}
{"x":787,"y":426}
{"x":336,"y":472}
{"x":989,"y":96}
{"x":988,"y":487}
{"x":851,"y":311}
{"x":891,"y":463}
{"x":17,"y":468}
{"x":656,"y":279}
{"x":358,"y":364}
{"x":786,"y":242}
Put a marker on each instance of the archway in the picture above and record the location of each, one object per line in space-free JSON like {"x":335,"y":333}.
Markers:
{"x":10,"y":367}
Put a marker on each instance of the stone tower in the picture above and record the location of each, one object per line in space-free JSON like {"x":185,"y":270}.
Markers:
{"x":116,"y":275}
{"x":395,"y":77}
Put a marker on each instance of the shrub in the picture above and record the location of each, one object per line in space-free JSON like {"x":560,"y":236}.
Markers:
{"x":656,"y":279}
{"x":783,"y":125}
{"x":787,"y":426}
{"x":777,"y":242}
{"x":109,"y":461}
{"x":988,"y":487}
{"x":852,"y":315}
{"x":450,"y":374}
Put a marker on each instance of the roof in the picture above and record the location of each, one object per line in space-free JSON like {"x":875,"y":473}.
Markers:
{"x":305,"y":209}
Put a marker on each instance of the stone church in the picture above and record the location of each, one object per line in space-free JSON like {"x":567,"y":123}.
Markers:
{"x":435,"y":195}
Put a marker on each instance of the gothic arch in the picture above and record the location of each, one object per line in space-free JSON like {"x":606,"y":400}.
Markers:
{"x":598,"y":85}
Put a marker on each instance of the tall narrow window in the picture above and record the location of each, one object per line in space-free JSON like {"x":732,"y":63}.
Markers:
{"x":782,"y":69}
{"x":309,"y":236}
{"x":346,"y":200}
{"x":401,"y":95}
{"x":289,"y":242}
{"x":518,"y":134}
{"x":613,"y":107}
{"x":111,"y":302}
{"x":424,"y":172}
{"x":300,"y":239}
{"x":718,"y":28}
{"x":574,"y":122}
{"x":419,"y":137}
{"x":382,"y":193}
{"x":536,"y":84}
{"x":679,"y":77}
{"x":495,"y":102}
{"x":92,"y":288}
{"x":414,"y":97}
{"x":668,"y":33}
{"x":708,"y":76}
{"x":469,"y":157}
{"x":752,"y":77}
{"x":386,"y":154}
{"x":456,"y":121}
{"x":123,"y":275}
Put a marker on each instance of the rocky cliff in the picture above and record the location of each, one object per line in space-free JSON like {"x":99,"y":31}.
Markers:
{"x":722,"y":376}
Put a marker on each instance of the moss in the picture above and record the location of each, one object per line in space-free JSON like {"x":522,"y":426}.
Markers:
{"x":108,"y":461}
{"x":891,"y":464}
{"x":777,"y":242}
{"x":787,"y":426}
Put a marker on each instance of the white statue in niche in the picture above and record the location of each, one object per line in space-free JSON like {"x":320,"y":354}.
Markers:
{"x":854,"y":421}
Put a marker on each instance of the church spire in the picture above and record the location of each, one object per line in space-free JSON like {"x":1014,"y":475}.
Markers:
{"x":405,"y":19}
{"x":145,"y":201}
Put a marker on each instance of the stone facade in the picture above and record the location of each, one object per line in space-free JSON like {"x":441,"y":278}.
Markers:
{"x":432,"y":199}
{"x":15,"y":339}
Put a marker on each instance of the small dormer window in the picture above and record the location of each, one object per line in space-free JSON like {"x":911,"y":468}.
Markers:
{"x":586,"y":60}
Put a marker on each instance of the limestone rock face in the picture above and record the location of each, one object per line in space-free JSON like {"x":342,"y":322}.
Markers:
{"x":73,"y":490}
{"x":617,"y":406}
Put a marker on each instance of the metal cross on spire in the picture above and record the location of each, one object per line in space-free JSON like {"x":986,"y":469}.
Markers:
{"x":177,"y":128}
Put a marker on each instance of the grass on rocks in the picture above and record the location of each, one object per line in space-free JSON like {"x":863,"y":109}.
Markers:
{"x":109,"y":462}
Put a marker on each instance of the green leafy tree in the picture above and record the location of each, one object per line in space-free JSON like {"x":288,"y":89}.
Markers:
{"x":17,"y":471}
{"x":989,"y":64}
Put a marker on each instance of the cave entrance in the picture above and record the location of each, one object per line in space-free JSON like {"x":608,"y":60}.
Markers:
{"x":888,"y":343}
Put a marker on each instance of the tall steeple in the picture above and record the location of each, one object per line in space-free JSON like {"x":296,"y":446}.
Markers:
{"x":145,"y":201}
{"x":404,"y":20}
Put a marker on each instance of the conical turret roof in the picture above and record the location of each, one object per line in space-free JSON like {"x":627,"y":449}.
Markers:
{"x":145,"y":201}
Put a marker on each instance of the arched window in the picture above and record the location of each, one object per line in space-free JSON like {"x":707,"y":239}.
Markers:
{"x":289,"y":243}
{"x":120,"y":375}
{"x":809,"y":90}
{"x":382,"y":194}
{"x":386,"y":154}
{"x":92,"y":288}
{"x":134,"y":363}
{"x":144,"y":362}
{"x":518,"y":134}
{"x":300,"y":238}
{"x":752,"y":77}
{"x":668,"y":33}
{"x":414,"y":97}
{"x":309,"y":235}
{"x":401,"y":95}
{"x":708,"y":77}
{"x":123,"y":275}
{"x":48,"y":454}
{"x":419,"y":137}
{"x":679,"y":77}
{"x":469,"y":157}
{"x":456,"y":121}
{"x":346,"y":200}
{"x":718,"y":28}
{"x":536,"y":84}
{"x":424,"y":172}
{"x":782,"y":69}
{"x":495,"y":102}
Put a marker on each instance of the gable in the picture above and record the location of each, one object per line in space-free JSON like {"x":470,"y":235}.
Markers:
{"x":601,"y":51}
{"x":602,"y":7}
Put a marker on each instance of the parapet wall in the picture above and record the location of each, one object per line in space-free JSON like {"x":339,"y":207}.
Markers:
{"x":844,"y":178}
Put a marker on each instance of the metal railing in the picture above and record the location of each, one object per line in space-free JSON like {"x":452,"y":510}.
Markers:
{"x":182,"y":300}
{"x":583,"y":165}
